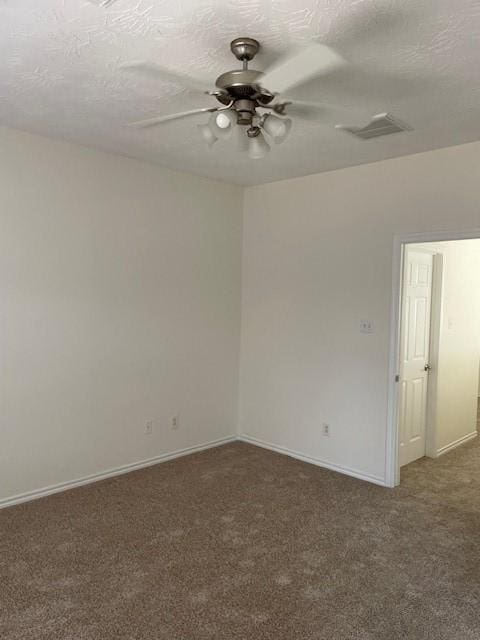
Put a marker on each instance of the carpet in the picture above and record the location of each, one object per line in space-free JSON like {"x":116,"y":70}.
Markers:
{"x":239,"y":543}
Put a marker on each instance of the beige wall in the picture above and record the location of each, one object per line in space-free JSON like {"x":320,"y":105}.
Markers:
{"x":317,"y":258}
{"x":120,"y":288}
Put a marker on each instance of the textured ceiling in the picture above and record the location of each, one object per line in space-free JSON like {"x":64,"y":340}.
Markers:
{"x":59,"y":75}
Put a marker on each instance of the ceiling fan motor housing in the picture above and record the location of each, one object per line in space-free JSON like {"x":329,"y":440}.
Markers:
{"x":242,"y":83}
{"x":242,"y":86}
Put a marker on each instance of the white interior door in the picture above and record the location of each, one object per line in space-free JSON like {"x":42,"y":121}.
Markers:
{"x":414,"y":354}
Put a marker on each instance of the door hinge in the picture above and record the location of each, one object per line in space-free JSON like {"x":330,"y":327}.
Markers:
{"x":397,"y":378}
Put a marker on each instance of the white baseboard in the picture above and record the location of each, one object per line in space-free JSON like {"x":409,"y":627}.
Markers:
{"x":164,"y":457}
{"x":313,"y":460}
{"x":110,"y":473}
{"x":456,"y":443}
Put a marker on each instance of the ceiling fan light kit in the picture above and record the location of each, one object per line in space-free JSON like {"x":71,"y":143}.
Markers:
{"x":258,"y":147}
{"x":207,"y":134}
{"x":222,"y":123}
{"x":277,"y":128}
{"x":240,"y":140}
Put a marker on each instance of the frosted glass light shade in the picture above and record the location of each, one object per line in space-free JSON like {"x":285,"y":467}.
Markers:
{"x":258,"y":147}
{"x":240,"y":138}
{"x":207,"y":134}
{"x":277,"y":128}
{"x":223,"y":122}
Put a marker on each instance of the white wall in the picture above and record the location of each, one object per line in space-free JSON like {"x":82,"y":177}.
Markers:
{"x":119,"y":303}
{"x":456,"y":354}
{"x":317,"y":258}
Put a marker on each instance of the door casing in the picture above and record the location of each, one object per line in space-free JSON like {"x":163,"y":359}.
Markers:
{"x":392,"y":464}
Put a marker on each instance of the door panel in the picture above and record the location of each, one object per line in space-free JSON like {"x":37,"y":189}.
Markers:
{"x":417,"y":388}
{"x":414,"y":349}
{"x":420,"y":324}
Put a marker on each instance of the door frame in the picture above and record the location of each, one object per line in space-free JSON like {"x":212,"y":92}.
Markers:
{"x":392,"y":463}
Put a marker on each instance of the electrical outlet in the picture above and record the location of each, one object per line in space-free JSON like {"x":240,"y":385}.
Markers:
{"x":175,"y":421}
{"x":326,"y":429}
{"x":149,"y":427}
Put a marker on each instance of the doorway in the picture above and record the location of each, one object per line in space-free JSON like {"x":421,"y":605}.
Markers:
{"x":435,"y":348}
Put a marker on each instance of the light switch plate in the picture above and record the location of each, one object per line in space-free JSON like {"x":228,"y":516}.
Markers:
{"x":366,"y":326}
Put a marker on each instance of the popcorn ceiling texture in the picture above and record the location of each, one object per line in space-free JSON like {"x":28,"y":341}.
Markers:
{"x":238,"y":543}
{"x":59,"y":75}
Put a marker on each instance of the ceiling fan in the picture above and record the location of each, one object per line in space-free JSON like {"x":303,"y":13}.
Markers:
{"x":250,"y":106}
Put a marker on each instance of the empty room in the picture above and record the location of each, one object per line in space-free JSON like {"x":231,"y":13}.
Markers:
{"x":239,"y":320}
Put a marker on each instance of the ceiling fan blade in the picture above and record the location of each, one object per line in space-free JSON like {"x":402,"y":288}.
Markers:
{"x":300,"y":66}
{"x":312,"y":111}
{"x":157,"y":72}
{"x":152,"y":122}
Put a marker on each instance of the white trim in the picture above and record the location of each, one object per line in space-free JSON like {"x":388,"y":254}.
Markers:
{"x":110,"y":473}
{"x":165,"y":457}
{"x":433,"y":357}
{"x":456,"y":443}
{"x":392,"y":468}
{"x":313,"y":460}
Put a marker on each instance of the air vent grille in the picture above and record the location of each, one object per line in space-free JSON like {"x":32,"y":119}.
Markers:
{"x":382,"y":124}
{"x":102,"y":3}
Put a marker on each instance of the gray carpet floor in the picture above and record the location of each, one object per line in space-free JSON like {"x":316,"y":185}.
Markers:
{"x":239,"y":543}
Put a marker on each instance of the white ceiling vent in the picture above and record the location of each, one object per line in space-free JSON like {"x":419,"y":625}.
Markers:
{"x":382,"y":124}
{"x":102,"y":3}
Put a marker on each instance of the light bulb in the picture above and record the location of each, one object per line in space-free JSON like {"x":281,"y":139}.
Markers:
{"x":223,"y":122}
{"x":258,"y":147}
{"x":207,"y":134}
{"x":277,"y":128}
